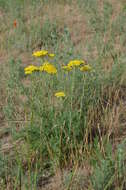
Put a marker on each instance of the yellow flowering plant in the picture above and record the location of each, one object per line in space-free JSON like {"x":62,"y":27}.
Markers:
{"x":43,"y":53}
{"x":47,"y":67}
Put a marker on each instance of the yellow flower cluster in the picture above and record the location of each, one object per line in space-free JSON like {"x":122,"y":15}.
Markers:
{"x":30,"y":69}
{"x":49,"y":68}
{"x":77,"y":63}
{"x":42,"y":53}
{"x":73,"y":63}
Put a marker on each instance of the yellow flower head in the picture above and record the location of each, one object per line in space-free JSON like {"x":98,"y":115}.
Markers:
{"x":51,"y":54}
{"x":60,"y":94}
{"x":40,"y":53}
{"x":49,"y":68}
{"x":86,"y":68}
{"x":30,"y":69}
{"x":75,"y":63}
{"x":67,"y":68}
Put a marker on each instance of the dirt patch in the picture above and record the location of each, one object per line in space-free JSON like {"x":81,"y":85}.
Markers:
{"x":78,"y":179}
{"x":69,"y":16}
